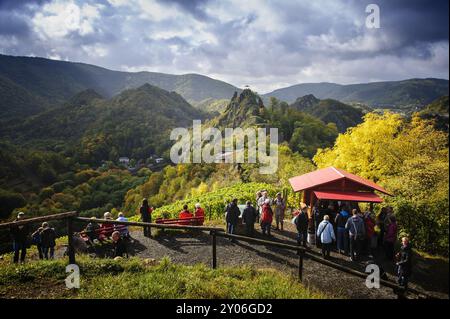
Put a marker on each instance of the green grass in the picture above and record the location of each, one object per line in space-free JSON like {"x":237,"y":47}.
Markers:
{"x":134,"y":278}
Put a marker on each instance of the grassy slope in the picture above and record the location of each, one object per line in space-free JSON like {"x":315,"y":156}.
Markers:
{"x":136,"y":278}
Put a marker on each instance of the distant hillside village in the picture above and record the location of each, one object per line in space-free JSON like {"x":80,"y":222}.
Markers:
{"x":153,"y":162}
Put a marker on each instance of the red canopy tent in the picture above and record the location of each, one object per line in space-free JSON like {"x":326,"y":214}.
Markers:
{"x":336,"y":184}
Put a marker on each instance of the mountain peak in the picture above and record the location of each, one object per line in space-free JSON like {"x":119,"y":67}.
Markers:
{"x":243,"y":110}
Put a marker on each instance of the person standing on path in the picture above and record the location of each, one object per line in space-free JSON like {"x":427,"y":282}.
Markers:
{"x":232,"y":216}
{"x":249,"y":216}
{"x":280,"y":207}
{"x":301,"y":223}
{"x":325,"y":232}
{"x":20,"y":239}
{"x":146,"y":217}
{"x":356,"y":232}
{"x":48,"y":237}
{"x":266,"y":218}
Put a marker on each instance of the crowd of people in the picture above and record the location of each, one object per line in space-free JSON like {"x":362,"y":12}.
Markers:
{"x":331,"y":225}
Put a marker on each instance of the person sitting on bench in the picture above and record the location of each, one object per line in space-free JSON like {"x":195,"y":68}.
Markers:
{"x":91,"y":230}
{"x":119,"y":245}
{"x":200,"y":213}
{"x":106,"y":229}
{"x":122,"y":229}
{"x":185,"y":213}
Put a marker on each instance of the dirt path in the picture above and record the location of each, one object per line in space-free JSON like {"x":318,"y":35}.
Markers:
{"x":189,"y":248}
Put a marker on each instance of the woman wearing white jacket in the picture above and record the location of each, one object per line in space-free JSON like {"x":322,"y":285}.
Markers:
{"x":326,"y":234}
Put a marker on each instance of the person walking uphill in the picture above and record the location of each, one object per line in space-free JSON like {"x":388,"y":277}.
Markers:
{"x":146,"y":217}
{"x":19,"y":236}
{"x":249,"y":216}
{"x":48,"y":243}
{"x":232,"y":216}
{"x":325,"y":232}
{"x":356,"y":232}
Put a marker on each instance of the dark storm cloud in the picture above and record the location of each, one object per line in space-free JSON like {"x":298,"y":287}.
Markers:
{"x":264,"y":43}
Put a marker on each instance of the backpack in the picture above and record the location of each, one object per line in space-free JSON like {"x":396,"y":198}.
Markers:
{"x":36,"y":238}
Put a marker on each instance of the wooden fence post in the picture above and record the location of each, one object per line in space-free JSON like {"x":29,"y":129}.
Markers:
{"x":300,"y":265}
{"x":70,"y":248}
{"x":214,"y":250}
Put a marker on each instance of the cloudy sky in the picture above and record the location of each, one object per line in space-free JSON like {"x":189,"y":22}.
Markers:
{"x":265,"y":44}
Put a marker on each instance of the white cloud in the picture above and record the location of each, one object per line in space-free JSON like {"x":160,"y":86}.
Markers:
{"x":265,"y":44}
{"x":59,"y":18}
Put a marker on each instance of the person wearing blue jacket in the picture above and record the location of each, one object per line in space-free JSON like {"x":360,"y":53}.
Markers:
{"x":342,"y":233}
{"x":325,"y":232}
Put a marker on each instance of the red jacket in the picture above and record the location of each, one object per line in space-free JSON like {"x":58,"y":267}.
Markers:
{"x":199,"y":212}
{"x":185,"y":214}
{"x":267,"y":214}
{"x":370,"y":227}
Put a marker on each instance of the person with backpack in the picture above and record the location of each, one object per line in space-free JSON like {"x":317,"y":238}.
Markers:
{"x":232,"y":216}
{"x":342,"y":233}
{"x":36,"y":240}
{"x":325,"y":232}
{"x":48,"y":237}
{"x":249,"y":216}
{"x":280,"y":207}
{"x":146,"y":217}
{"x":266,"y":217}
{"x":356,"y":232}
{"x":301,"y":223}
{"x":19,"y":236}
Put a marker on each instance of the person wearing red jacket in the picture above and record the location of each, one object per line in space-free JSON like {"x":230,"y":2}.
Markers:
{"x":185,"y":214}
{"x":200,"y":213}
{"x":266,"y":217}
{"x":371,"y":236}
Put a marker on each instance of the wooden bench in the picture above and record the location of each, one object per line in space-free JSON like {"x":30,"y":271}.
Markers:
{"x":192,"y":221}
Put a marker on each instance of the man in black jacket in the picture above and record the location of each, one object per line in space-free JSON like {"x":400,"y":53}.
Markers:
{"x":232,"y":218}
{"x":404,"y":262}
{"x":301,"y":222}
{"x":20,"y":239}
{"x":249,"y":216}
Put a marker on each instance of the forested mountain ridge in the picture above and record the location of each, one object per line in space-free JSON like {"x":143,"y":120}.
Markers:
{"x":329,"y":111}
{"x":56,"y":81}
{"x":408,"y":95}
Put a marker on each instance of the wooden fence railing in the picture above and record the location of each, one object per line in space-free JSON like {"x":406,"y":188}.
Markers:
{"x":71,"y":217}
